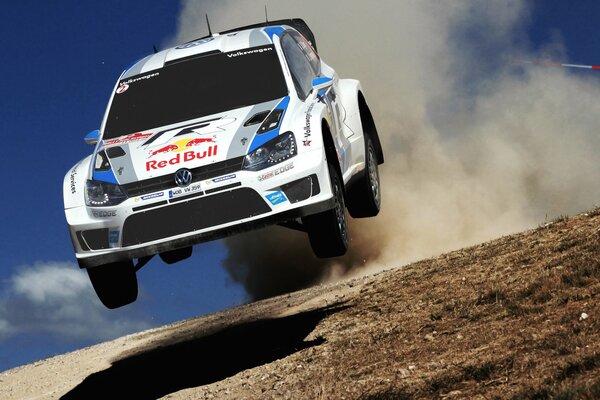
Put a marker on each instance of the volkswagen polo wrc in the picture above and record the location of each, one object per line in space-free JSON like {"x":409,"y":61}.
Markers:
{"x":223,"y":134}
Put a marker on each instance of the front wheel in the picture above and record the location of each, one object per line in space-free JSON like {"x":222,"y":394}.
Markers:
{"x":328,"y":231}
{"x":115,"y":283}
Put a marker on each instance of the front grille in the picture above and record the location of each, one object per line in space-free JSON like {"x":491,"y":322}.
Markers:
{"x":96,"y":239}
{"x":302,"y":189}
{"x":167,"y":181}
{"x":192,"y":215}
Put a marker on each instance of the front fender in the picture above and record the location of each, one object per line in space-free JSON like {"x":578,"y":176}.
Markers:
{"x":74,"y":184}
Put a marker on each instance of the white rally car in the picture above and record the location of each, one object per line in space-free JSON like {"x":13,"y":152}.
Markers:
{"x":220,"y":135}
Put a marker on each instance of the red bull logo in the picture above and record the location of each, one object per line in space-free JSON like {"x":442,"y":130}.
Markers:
{"x":181,"y":146}
{"x":181,"y":157}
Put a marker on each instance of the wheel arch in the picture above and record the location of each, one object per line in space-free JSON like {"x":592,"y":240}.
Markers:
{"x":329,"y":147}
{"x":368,"y":126}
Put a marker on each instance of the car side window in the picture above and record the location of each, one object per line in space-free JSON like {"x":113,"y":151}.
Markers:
{"x":301,"y":69}
{"x":309,"y":52}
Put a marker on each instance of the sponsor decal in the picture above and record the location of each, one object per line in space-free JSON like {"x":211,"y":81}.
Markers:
{"x":275,"y":172}
{"x":182,"y":158}
{"x":223,"y":178}
{"x":307,"y":131}
{"x":152,"y":196}
{"x":133,"y":80}
{"x":120,"y":170}
{"x":181,"y":145}
{"x":245,"y":53}
{"x":104,"y":213}
{"x":183,"y":191}
{"x":132,"y":137}
{"x":113,"y":237}
{"x":244,"y":141}
{"x":220,"y":179}
{"x":122,"y":88}
{"x":276,"y":198}
{"x":72,"y":178}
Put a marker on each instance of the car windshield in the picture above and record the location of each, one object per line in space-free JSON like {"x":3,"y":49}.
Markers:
{"x":195,"y":87}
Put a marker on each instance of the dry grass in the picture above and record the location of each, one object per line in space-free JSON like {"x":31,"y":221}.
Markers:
{"x":498,"y":320}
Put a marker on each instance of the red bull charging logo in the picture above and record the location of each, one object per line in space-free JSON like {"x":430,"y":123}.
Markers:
{"x":180,"y":145}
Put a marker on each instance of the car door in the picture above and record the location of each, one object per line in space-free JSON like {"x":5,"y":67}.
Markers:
{"x":305,"y":65}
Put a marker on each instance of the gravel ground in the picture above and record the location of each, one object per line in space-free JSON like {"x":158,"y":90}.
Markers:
{"x":513,"y":318}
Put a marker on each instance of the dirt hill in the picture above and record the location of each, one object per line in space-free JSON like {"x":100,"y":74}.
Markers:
{"x":517,"y":317}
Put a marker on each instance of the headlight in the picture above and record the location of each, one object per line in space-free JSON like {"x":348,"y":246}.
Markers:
{"x":273,"y":152}
{"x":101,"y":194}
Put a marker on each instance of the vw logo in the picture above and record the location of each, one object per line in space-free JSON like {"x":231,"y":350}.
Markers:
{"x":183,"y":177}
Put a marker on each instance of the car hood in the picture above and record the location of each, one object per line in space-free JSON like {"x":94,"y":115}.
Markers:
{"x":190,"y":144}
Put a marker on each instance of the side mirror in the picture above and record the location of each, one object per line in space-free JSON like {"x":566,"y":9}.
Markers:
{"x":321,"y":83}
{"x":92,"y":137}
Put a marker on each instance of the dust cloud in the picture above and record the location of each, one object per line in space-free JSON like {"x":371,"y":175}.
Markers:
{"x":476,"y":146}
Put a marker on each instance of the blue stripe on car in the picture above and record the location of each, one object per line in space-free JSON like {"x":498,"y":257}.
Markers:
{"x":105,"y":176}
{"x":273,"y":31}
{"x":263,"y":138}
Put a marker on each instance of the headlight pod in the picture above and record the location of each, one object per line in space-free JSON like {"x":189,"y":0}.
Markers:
{"x":273,"y":152}
{"x":102,"y":194}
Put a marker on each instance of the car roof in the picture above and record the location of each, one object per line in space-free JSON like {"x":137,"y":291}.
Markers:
{"x":225,"y":42}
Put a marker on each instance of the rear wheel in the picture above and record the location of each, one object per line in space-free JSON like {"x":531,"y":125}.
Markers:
{"x":364,"y":196}
{"x":115,"y":283}
{"x":328,"y":231}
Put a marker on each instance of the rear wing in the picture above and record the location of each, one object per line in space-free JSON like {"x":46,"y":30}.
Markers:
{"x":296,"y":23}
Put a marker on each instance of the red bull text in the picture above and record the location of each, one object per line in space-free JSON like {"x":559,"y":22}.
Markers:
{"x":182,"y":157}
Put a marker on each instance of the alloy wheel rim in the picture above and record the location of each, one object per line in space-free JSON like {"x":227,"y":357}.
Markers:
{"x":373,"y":176}
{"x":339,"y":211}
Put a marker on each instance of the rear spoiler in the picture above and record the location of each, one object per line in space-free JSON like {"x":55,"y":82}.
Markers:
{"x":296,"y":23}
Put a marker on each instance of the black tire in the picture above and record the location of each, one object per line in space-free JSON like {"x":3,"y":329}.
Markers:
{"x":115,"y":283}
{"x":328,"y":231}
{"x":364,"y":196}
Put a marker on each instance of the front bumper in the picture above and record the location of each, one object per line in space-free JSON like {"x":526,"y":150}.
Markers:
{"x":217,"y":207}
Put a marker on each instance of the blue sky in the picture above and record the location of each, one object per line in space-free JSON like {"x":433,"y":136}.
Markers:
{"x":64,"y":59}
{"x":60,"y":62}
